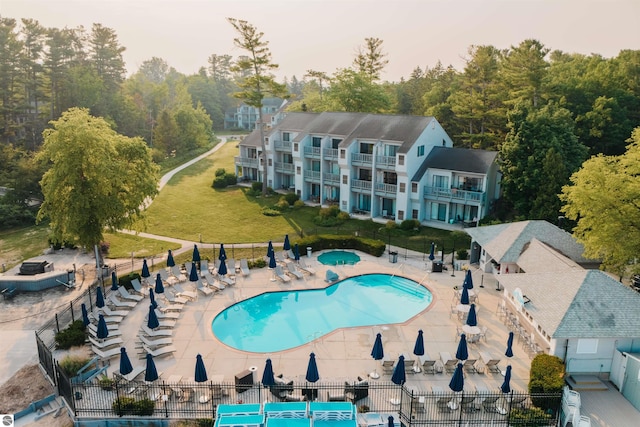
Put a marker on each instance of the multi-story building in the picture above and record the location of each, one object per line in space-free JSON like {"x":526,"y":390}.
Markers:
{"x":380,"y":166}
{"x":245,"y":116}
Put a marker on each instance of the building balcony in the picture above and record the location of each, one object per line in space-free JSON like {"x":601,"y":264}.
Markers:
{"x":313,"y":176}
{"x":331,"y":178}
{"x":313,"y":152}
{"x":454,"y":195}
{"x":284,"y":167}
{"x":360,"y":185}
{"x":330,"y":153}
{"x":361,"y":159}
{"x":249,"y":162}
{"x":386,"y":162}
{"x":386,"y":189}
{"x":283,"y":146}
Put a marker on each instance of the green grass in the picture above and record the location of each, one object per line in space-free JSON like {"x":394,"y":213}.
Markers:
{"x":123,"y":245}
{"x":17,"y":245}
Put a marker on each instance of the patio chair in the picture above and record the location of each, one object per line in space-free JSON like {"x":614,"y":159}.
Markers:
{"x":356,"y":391}
{"x":428,"y":366}
{"x":226,"y":280}
{"x":491,"y":364}
{"x":165,"y":277}
{"x":280,"y":274}
{"x":244,"y":267}
{"x":131,"y":376}
{"x":118,"y":303}
{"x":489,"y":404}
{"x":107,"y":319}
{"x":387,"y":367}
{"x":171,"y":307}
{"x":302,"y":265}
{"x":155,"y":332}
{"x":155,"y":343}
{"x":138,"y":288}
{"x":467,"y":404}
{"x":190,"y":295}
{"x":107,"y":343}
{"x":173,"y":299}
{"x":231,"y":267}
{"x":127,"y":296}
{"x":453,"y":311}
{"x":160,"y":351}
{"x":105,"y":354}
{"x":106,"y":311}
{"x":204,"y":289}
{"x":290,"y":254}
{"x":470,"y":366}
{"x":409,"y":366}
{"x":114,"y":330}
{"x":175,"y":270}
{"x":291,"y":267}
{"x":213,"y":282}
{"x":444,"y":404}
{"x":167,"y":315}
{"x":204,"y":266}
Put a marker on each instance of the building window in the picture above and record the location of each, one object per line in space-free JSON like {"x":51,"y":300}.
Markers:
{"x":345,"y":179}
{"x":444,"y":143}
{"x":335,"y":142}
{"x":414,"y":214}
{"x":285,"y":136}
{"x":366,"y":148}
{"x":295,"y":146}
{"x":403,"y":187}
{"x":401,"y":215}
{"x":298,"y":170}
{"x":315,"y":141}
{"x":440,"y":181}
{"x":587,"y":346}
{"x":270,"y":162}
{"x":342,"y":154}
{"x":414,"y":187}
{"x":401,"y":160}
{"x":421,"y":151}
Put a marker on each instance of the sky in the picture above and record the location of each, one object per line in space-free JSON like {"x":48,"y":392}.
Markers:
{"x":324,"y":35}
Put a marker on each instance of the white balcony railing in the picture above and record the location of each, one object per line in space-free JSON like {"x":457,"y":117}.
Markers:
{"x":358,"y":184}
{"x":331,"y":177}
{"x":455,"y":194}
{"x":312,"y":175}
{"x":246,"y":161}
{"x":386,"y":161}
{"x":284,"y":167}
{"x":312,"y":152}
{"x":386,"y":188}
{"x":362,"y":158}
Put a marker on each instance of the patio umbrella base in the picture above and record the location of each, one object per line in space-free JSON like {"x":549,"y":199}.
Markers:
{"x":374,"y":375}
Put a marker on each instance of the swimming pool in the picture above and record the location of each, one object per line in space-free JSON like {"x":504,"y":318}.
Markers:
{"x":276,"y":321}
{"x":338,"y":258}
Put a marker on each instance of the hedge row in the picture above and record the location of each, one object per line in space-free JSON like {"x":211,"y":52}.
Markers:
{"x":321,"y":242}
{"x":546,"y":376}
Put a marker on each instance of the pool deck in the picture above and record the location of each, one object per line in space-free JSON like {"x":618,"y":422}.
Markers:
{"x":344,"y":354}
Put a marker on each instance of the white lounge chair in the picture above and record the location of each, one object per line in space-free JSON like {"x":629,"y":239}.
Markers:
{"x":203,"y":288}
{"x":138,"y":288}
{"x":114,"y":329}
{"x":156,"y":333}
{"x":167,"y":315}
{"x":155,"y":343}
{"x":278,"y":271}
{"x":290,"y":254}
{"x":173,"y":299}
{"x":212,"y":281}
{"x":107,"y":319}
{"x":126,"y":295}
{"x":107,"y":343}
{"x":175,"y":270}
{"x":228,"y":281}
{"x":302,"y":265}
{"x":164,"y":307}
{"x":204,"y":266}
{"x":106,"y":354}
{"x":160,"y":351}
{"x":190,"y":295}
{"x":131,"y":376}
{"x":244,"y":267}
{"x":294,"y":270}
{"x":118,"y":303}
{"x":231,"y":267}
{"x":106,"y":311}
{"x":169,"y":280}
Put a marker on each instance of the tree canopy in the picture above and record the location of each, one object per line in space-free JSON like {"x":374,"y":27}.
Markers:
{"x":97,"y":178}
{"x":604,"y":199}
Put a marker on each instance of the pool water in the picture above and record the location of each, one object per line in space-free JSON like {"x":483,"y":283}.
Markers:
{"x":276,"y":321}
{"x":338,"y":258}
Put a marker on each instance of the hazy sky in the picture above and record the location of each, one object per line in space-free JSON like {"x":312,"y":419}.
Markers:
{"x":324,"y":35}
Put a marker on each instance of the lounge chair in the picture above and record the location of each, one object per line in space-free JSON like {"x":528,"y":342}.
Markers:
{"x":160,"y":351}
{"x":231,"y":267}
{"x":203,"y":288}
{"x":127,"y":296}
{"x":164,"y":307}
{"x":448,"y":362}
{"x":167,"y":315}
{"x":106,"y":354}
{"x":213,"y":282}
{"x":409,"y":366}
{"x":114,"y":330}
{"x":118,"y":303}
{"x":280,"y":274}
{"x":226,"y":280}
{"x":444,"y":404}
{"x":138,"y":288}
{"x":490,"y":363}
{"x":291,"y":267}
{"x":173,"y":299}
{"x":106,"y":311}
{"x":470,"y":365}
{"x":428,"y":366}
{"x":204,"y":266}
{"x":387,"y":367}
{"x":156,"y":333}
{"x":108,"y":319}
{"x":489,"y":404}
{"x":192,"y":296}
{"x":331,"y":277}
{"x":278,"y":256}
{"x":107,"y":343}
{"x":467,"y":404}
{"x":302,"y":265}
{"x":244,"y":267}
{"x":155,"y":343}
{"x":290,"y":254}
{"x":356,"y":391}
{"x":131,"y":376}
{"x":175,"y":270}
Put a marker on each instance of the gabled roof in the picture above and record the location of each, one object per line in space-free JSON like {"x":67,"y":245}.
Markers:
{"x":538,"y":257}
{"x":332,"y":123}
{"x":295,"y":122}
{"x":505,"y":242}
{"x":457,"y":159}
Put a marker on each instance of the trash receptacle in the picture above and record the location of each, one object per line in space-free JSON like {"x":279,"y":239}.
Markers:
{"x":436,"y":267}
{"x":393,"y":257}
{"x":308,"y":251}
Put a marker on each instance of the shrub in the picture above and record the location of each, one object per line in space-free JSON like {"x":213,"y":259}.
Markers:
{"x":343,"y":216}
{"x":257,"y":263}
{"x":104,"y":247}
{"x":105,"y":382}
{"x":220,"y":172}
{"x":462,"y":254}
{"x":291,"y":198}
{"x":410,"y":224}
{"x":546,"y":376}
{"x":530,"y":417}
{"x":266,"y":211}
{"x":126,"y":280}
{"x":330,"y":217}
{"x":225,"y":180}
{"x":391,"y":225}
{"x":129,"y":406}
{"x":320,"y":242}
{"x":256,"y":186}
{"x":71,"y":364}
{"x":298,"y":204}
{"x":282,"y":204}
{"x":72,"y":336}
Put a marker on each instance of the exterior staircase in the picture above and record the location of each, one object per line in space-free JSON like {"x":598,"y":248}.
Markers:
{"x":586,"y":383}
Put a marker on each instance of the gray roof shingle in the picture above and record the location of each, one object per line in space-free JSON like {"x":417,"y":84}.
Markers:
{"x":457,"y":159}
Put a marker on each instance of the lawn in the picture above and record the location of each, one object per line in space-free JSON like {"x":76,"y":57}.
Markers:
{"x":24,"y":243}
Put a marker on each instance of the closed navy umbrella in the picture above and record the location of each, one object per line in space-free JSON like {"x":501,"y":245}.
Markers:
{"x":125,"y":363}
{"x":85,"y":315}
{"x":462,"y":353}
{"x":222,"y":270}
{"x":296,"y":252}
{"x":272,"y":260}
{"x":432,"y":251}
{"x":103,"y":330}
{"x":99,"y":297}
{"x":286,"y":246}
{"x":270,"y":249}
{"x":159,"y":285}
{"x":152,"y":319}
{"x":506,"y":387}
{"x":390,"y":422}
{"x":223,"y":254}
{"x":377,"y":352}
{"x":152,"y":298}
{"x":193,"y":274}
{"x":457,"y":380}
{"x":464,"y":298}
{"x":418,"y":348}
{"x":468,"y":280}
{"x":268,"y":378}
{"x":509,"y":352}
{"x":312,"y":369}
{"x":472,"y":319}
{"x":114,"y":281}
{"x":170,"y":261}
{"x":196,"y":254}
{"x":201,"y":372}
{"x":151,"y":373}
{"x":399,"y":377}
{"x":145,"y":269}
